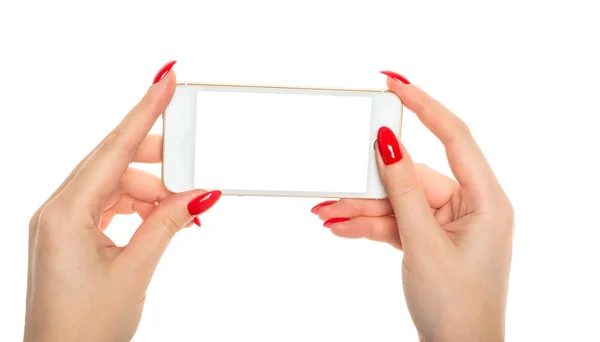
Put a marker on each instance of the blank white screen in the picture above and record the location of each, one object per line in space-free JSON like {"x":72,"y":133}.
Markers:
{"x":285,"y":142}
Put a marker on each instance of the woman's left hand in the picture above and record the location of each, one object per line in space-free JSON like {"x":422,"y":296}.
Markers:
{"x":81,"y":286}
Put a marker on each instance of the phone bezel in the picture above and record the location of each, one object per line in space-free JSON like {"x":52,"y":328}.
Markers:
{"x":179,"y":130}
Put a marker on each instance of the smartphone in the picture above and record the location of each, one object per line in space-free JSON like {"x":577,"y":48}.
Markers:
{"x":276,"y":141}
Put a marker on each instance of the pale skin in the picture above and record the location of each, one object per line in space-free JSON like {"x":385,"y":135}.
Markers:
{"x":81,"y":286}
{"x":456,"y":236}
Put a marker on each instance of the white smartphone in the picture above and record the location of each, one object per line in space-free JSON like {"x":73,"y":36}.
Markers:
{"x":276,"y":141}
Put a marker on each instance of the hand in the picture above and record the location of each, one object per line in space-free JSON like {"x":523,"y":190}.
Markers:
{"x":456,"y":236}
{"x":81,"y":286}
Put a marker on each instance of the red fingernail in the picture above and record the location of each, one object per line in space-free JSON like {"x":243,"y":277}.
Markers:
{"x":196,"y":220}
{"x":396,"y":76}
{"x":203,"y":202}
{"x":388,"y":146}
{"x":163,"y":71}
{"x":315,"y":209}
{"x":335,"y":220}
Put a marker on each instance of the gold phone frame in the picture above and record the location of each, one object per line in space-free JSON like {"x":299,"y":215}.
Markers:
{"x":254,"y":86}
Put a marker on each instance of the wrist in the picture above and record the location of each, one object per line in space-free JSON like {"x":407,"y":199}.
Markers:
{"x":470,"y":331}
{"x":62,"y":332}
{"x":465,"y":328}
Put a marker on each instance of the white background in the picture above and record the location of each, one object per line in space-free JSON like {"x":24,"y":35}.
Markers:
{"x":288,"y":142}
{"x":523,"y":74}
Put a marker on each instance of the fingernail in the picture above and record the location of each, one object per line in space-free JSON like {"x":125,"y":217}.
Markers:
{"x":388,"y":146}
{"x":163,"y":71}
{"x":196,"y":220}
{"x":203,"y":202}
{"x":315,"y":209}
{"x":335,"y":220}
{"x":396,"y":76}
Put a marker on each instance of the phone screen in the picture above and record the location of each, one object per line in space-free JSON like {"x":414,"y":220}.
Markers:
{"x":282,"y":142}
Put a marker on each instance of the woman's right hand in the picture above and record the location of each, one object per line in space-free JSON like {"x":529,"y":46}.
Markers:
{"x":81,"y":286}
{"x":456,"y":236}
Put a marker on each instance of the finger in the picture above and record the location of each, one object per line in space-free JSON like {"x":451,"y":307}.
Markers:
{"x":382,"y":229}
{"x":353,"y":207}
{"x":126,"y":205}
{"x":466,"y":160}
{"x":65,"y":182}
{"x":154,"y":234}
{"x":101,"y":173}
{"x":143,"y":209}
{"x":143,"y":186}
{"x":438,"y":191}
{"x":140,"y":185}
{"x":438,"y":188}
{"x":138,"y":192}
{"x":150,"y":150}
{"x":107,"y":217}
{"x":445,"y":215}
{"x":416,"y":223}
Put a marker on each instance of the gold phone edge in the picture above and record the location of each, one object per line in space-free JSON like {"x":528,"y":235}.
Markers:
{"x":281,"y":87}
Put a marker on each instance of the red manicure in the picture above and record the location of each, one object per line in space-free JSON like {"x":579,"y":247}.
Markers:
{"x":315,"y":209}
{"x":388,"y":146}
{"x":203,"y":202}
{"x":163,"y":71}
{"x":196,"y":220}
{"x":334,"y":220}
{"x":396,"y":76}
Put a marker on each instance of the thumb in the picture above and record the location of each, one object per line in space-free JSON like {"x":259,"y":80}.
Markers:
{"x":416,"y":223}
{"x":154,"y":234}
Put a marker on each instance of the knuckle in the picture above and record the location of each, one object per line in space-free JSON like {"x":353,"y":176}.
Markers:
{"x":367,"y":230}
{"x":35,"y":218}
{"x":384,"y":236}
{"x":33,"y":221}
{"x":457,"y":131}
{"x":171,"y":225}
{"x":378,"y":207}
{"x":343,"y":231}
{"x":510,"y":211}
{"x":403,"y":185}
{"x":505,"y":215}
{"x":50,"y":215}
{"x":461,"y":128}
{"x":359,"y":208}
{"x":337,"y":231}
{"x":509,"y":214}
{"x":118,"y":142}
